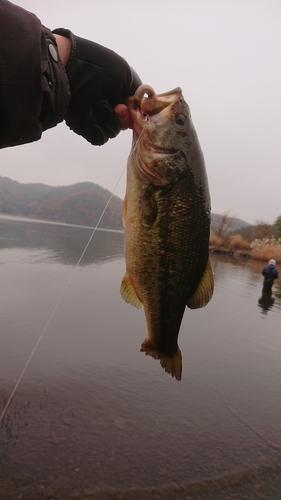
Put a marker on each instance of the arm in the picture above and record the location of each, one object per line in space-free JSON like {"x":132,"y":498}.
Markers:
{"x":46,"y":77}
{"x":64,"y":48}
{"x":34,"y":89}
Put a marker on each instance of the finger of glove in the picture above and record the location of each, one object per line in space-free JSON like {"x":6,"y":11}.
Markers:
{"x":102,"y":124}
{"x":105,"y":115}
{"x":88,"y":128}
{"x":97,"y":126}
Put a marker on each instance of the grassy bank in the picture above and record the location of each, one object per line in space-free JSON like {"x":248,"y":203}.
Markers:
{"x":263,"y":249}
{"x":266,"y":249}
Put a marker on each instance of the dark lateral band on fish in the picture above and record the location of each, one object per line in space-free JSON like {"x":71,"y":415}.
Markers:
{"x":166,"y":217}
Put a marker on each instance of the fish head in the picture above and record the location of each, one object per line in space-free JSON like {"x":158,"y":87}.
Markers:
{"x":163,"y":136}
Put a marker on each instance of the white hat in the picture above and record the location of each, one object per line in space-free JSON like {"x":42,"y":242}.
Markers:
{"x":272,"y":262}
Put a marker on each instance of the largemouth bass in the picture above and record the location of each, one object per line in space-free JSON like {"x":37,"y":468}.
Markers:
{"x":167,"y":221}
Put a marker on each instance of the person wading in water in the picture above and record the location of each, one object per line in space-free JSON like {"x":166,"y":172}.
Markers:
{"x":270,"y":274}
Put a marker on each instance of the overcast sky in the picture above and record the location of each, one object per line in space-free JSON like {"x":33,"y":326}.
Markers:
{"x":226,"y":57}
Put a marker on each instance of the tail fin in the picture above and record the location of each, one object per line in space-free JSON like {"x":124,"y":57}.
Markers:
{"x":171,"y":364}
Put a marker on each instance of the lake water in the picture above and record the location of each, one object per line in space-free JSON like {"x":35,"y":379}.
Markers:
{"x":93,"y":417}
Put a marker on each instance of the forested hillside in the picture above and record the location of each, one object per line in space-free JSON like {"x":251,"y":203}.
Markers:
{"x":80,"y":203}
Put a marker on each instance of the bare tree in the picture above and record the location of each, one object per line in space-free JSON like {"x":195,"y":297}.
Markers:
{"x":277,"y":225}
{"x":222,"y":224}
{"x":262,"y":230}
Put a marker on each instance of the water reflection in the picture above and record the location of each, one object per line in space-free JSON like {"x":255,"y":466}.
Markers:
{"x":266,"y":301}
{"x":61,"y":242}
{"x":98,"y":418}
{"x":237,"y":272}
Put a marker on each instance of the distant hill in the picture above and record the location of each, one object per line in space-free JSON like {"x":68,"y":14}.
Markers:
{"x":80,"y":203}
{"x":234,"y":222}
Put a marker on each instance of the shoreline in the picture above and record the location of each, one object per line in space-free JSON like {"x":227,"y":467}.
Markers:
{"x":245,"y":254}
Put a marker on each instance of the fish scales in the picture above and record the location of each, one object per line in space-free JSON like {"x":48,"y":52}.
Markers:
{"x":166,"y":233}
{"x":172,"y":280}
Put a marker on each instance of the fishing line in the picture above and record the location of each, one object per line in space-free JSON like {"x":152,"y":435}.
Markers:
{"x":59,"y":300}
{"x":65,"y":288}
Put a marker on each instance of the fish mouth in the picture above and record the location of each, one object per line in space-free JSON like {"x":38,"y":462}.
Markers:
{"x":155,"y":104}
{"x":145,"y":104}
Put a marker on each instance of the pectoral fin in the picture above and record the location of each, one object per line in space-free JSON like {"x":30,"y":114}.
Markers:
{"x":204,"y":291}
{"x":147,"y":206}
{"x":128,"y":292}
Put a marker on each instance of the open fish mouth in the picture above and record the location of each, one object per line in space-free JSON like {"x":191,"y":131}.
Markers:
{"x":153,"y":104}
{"x":139,"y":96}
{"x":145,"y":103}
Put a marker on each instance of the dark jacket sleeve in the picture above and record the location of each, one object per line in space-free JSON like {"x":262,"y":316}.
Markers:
{"x":34,"y":89}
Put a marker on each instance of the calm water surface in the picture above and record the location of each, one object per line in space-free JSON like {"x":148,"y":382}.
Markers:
{"x":93,"y":417}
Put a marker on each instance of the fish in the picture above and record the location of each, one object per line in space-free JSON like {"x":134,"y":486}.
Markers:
{"x":166,"y":218}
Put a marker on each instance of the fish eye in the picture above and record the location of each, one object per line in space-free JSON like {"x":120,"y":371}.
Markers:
{"x":180,"y":119}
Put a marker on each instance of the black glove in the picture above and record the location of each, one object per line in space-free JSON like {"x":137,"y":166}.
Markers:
{"x":99,"y":79}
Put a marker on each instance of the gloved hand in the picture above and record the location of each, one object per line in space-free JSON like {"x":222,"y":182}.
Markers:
{"x":99,"y":79}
